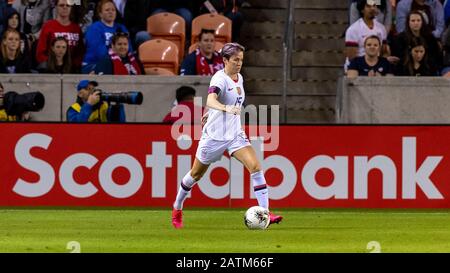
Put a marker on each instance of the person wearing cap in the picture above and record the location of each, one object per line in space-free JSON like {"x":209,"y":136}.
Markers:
{"x":89,"y":108}
{"x":184,"y":98}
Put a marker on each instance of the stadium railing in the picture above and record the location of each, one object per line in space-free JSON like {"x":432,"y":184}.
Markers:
{"x":287,"y":54}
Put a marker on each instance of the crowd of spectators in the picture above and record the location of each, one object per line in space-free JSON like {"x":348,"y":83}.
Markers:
{"x":57,"y":37}
{"x":102,"y":37}
{"x":414,"y":36}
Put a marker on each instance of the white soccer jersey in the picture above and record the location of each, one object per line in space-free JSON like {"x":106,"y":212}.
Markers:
{"x":222,"y":125}
{"x":358,"y":31}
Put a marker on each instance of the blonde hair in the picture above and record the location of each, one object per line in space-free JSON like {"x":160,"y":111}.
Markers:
{"x":5,"y":35}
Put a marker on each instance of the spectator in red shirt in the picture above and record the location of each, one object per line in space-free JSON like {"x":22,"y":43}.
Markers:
{"x":185,"y":98}
{"x":61,"y":26}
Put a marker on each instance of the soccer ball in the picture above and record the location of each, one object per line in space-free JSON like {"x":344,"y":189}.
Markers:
{"x":257,"y":218}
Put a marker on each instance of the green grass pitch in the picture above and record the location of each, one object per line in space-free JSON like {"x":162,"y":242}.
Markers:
{"x":211,"y":230}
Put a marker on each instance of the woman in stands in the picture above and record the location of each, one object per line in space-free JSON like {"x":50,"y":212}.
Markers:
{"x":119,"y":60}
{"x":61,"y":26}
{"x":223,"y":131}
{"x":417,"y":27}
{"x":12,"y":60}
{"x":371,"y":64}
{"x":33,"y":14}
{"x":59,"y":60}
{"x":416,"y":62}
{"x":99,"y":34}
{"x":13,"y":22}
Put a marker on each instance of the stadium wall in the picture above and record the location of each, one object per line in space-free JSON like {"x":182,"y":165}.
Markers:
{"x":140,"y":165}
{"x":399,"y":100}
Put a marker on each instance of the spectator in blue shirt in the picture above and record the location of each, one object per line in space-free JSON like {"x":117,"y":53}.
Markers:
{"x":99,"y":34}
{"x":434,"y":14}
{"x":371,"y":64}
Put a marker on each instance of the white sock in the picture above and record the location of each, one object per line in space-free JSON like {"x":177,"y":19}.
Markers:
{"x":260,"y":189}
{"x":185,"y":187}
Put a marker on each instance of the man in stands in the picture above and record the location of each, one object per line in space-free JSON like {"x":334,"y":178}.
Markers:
{"x":204,"y":61}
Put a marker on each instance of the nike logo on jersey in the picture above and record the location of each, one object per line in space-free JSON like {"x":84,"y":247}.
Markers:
{"x":229,"y":89}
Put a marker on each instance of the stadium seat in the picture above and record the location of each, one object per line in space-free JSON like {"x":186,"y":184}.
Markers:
{"x":220,"y":23}
{"x":159,"y":53}
{"x":159,"y":71}
{"x":168,"y":26}
{"x":217,"y":47}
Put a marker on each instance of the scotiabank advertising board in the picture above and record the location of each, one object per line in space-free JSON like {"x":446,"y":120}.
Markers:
{"x":140,"y":165}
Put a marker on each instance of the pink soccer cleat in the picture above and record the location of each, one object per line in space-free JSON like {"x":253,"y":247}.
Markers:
{"x":177,"y":218}
{"x":275,"y":219}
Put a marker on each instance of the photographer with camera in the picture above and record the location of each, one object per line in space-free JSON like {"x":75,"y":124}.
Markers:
{"x":92,"y":106}
{"x":16,"y":107}
{"x":3,"y":115}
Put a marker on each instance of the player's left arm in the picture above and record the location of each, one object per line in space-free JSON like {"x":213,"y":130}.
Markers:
{"x":213,"y":103}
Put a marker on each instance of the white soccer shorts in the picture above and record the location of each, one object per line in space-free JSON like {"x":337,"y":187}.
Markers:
{"x":210,"y":150}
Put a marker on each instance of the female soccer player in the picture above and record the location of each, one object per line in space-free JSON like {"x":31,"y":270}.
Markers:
{"x":223,"y":131}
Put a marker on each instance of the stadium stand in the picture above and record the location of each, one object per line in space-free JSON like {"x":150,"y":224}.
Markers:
{"x":168,"y":26}
{"x":220,"y":23}
{"x":159,"y":53}
{"x":317,"y":58}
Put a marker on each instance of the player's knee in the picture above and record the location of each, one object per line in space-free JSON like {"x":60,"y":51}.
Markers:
{"x":254,"y":167}
{"x":197,"y":175}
